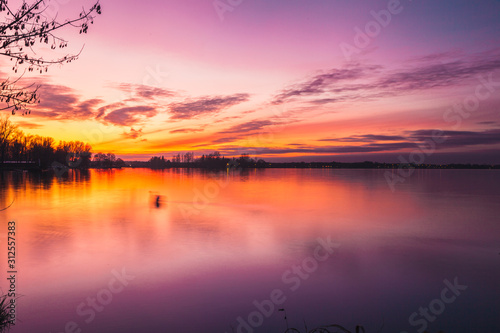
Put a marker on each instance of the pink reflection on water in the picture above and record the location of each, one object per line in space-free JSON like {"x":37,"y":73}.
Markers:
{"x":217,"y":242}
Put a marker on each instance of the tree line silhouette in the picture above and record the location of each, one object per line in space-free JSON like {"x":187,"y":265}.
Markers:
{"x":40,"y":152}
{"x":210,"y":161}
{"x":16,"y":146}
{"x":25,"y":151}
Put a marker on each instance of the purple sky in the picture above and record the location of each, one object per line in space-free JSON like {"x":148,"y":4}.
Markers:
{"x":283,"y":80}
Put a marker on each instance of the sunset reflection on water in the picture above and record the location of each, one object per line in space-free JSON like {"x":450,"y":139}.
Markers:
{"x":219,"y":241}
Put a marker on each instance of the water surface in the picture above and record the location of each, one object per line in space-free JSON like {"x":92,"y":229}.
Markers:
{"x":217,"y":246}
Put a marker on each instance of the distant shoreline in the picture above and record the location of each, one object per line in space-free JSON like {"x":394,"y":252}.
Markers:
{"x":321,"y":165}
{"x":269,"y":165}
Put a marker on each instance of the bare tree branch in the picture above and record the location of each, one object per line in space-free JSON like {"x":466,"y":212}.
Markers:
{"x":21,"y":31}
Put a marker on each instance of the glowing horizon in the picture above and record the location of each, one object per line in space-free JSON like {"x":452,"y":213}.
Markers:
{"x":283,"y":80}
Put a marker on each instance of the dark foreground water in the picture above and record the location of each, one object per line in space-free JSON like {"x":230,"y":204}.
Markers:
{"x":96,"y":252}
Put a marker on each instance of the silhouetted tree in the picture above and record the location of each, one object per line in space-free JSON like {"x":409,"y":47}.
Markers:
{"x":158,"y":162}
{"x":74,"y":154}
{"x":261,"y":163}
{"x":7,"y":134}
{"x":245,"y":161}
{"x":188,"y":157}
{"x":212,"y":161}
{"x":19,"y":147}
{"x":41,"y":150}
{"x":120,"y":163}
{"x":22,"y":32}
{"x":104,"y":161}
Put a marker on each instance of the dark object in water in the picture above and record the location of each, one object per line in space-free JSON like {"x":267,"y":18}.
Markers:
{"x":156,"y":200}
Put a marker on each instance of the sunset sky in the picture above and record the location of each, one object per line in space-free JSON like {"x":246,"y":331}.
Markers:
{"x":322,"y":80}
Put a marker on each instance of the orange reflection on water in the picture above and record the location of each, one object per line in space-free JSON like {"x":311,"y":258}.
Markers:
{"x":242,"y":227}
{"x":71,"y":230}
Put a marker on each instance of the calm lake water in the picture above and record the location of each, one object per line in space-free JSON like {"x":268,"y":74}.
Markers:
{"x":96,"y":253}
